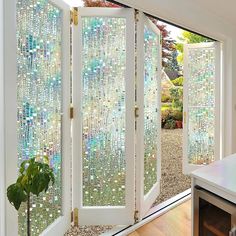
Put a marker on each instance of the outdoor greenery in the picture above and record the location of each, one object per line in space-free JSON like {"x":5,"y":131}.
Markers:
{"x":34,"y":178}
{"x":178,"y":81}
{"x":169,"y":118}
{"x":177,"y":98}
{"x":166,"y":98}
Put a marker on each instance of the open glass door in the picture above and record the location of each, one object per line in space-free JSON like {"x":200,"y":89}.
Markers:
{"x":201,"y":105}
{"x":148,"y":144}
{"x":43,"y":122}
{"x":103,"y":124}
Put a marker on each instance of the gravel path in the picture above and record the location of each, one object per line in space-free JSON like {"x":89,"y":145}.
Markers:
{"x":88,"y":230}
{"x":172,"y":179}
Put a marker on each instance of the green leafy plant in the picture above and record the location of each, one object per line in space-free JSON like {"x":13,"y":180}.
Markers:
{"x":34,"y":178}
{"x":178,"y":81}
{"x":165,"y":116}
{"x":170,"y":124}
{"x":177,"y":115}
{"x":177,"y":98}
{"x":165,"y":98}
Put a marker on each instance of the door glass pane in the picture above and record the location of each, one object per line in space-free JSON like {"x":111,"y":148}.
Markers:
{"x":103,"y":110}
{"x":151,"y":57}
{"x":39,"y":95}
{"x":201,"y":105}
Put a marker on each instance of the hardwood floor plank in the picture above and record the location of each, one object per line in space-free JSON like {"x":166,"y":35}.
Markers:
{"x":175,"y":222}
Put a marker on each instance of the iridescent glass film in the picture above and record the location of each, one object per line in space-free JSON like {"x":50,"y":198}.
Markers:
{"x":39,"y":95}
{"x":103,"y":110}
{"x":151,"y":62}
{"x":201,"y":105}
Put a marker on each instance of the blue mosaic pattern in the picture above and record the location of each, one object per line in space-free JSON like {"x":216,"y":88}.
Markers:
{"x":103,"y":110}
{"x":151,"y":57}
{"x":201,"y":105}
{"x":39,"y":95}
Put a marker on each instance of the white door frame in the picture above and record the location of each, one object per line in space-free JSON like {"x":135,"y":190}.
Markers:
{"x":188,"y":168}
{"x":10,"y":113}
{"x":103,"y":215}
{"x":143,"y":203}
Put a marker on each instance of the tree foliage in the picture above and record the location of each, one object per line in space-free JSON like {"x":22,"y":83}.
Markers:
{"x":168,"y":44}
{"x":172,"y":63}
{"x":34,"y":177}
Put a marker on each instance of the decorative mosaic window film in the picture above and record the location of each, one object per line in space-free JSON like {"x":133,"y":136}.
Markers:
{"x":201,"y":105}
{"x":103,"y":110}
{"x":39,"y":96}
{"x":151,"y":62}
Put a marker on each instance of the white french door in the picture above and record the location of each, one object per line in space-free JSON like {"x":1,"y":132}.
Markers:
{"x":148,"y":135}
{"x":201,"y":140}
{"x":104,"y":124}
{"x":37,"y":97}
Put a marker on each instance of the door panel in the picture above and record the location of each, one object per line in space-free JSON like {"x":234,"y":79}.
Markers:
{"x":103,"y":129}
{"x":201,"y":105}
{"x":43,"y":125}
{"x":148,"y":148}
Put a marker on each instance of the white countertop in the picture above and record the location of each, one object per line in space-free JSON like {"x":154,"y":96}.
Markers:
{"x":220,"y":174}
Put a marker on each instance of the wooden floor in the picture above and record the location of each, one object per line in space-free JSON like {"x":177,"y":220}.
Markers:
{"x":176,"y":222}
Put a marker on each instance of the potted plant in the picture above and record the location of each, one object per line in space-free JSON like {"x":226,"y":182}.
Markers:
{"x":34,"y":178}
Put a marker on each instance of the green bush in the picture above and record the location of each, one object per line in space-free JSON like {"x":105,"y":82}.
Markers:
{"x":169,"y":116}
{"x":177,"y":98}
{"x":177,"y":115}
{"x":166,"y":115}
{"x":178,"y":81}
{"x":165,"y":98}
{"x":166,"y":106}
{"x":170,"y":124}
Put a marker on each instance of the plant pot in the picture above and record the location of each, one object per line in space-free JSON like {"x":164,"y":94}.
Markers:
{"x":179,"y":124}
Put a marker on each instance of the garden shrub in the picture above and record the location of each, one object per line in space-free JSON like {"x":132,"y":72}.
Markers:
{"x":177,"y":98}
{"x":177,"y":115}
{"x":169,"y":116}
{"x":165,"y":115}
{"x":165,"y":98}
{"x":178,"y":81}
{"x":166,"y":106}
{"x":170,"y":124}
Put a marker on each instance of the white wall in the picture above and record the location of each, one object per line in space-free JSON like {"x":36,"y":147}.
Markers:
{"x":189,"y":14}
{"x":2,"y":174}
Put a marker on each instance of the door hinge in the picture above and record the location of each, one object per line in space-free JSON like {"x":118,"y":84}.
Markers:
{"x":71,"y":112}
{"x":75,"y":217}
{"x":136,"y":112}
{"x":74,"y":16}
{"x":136,"y":216}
